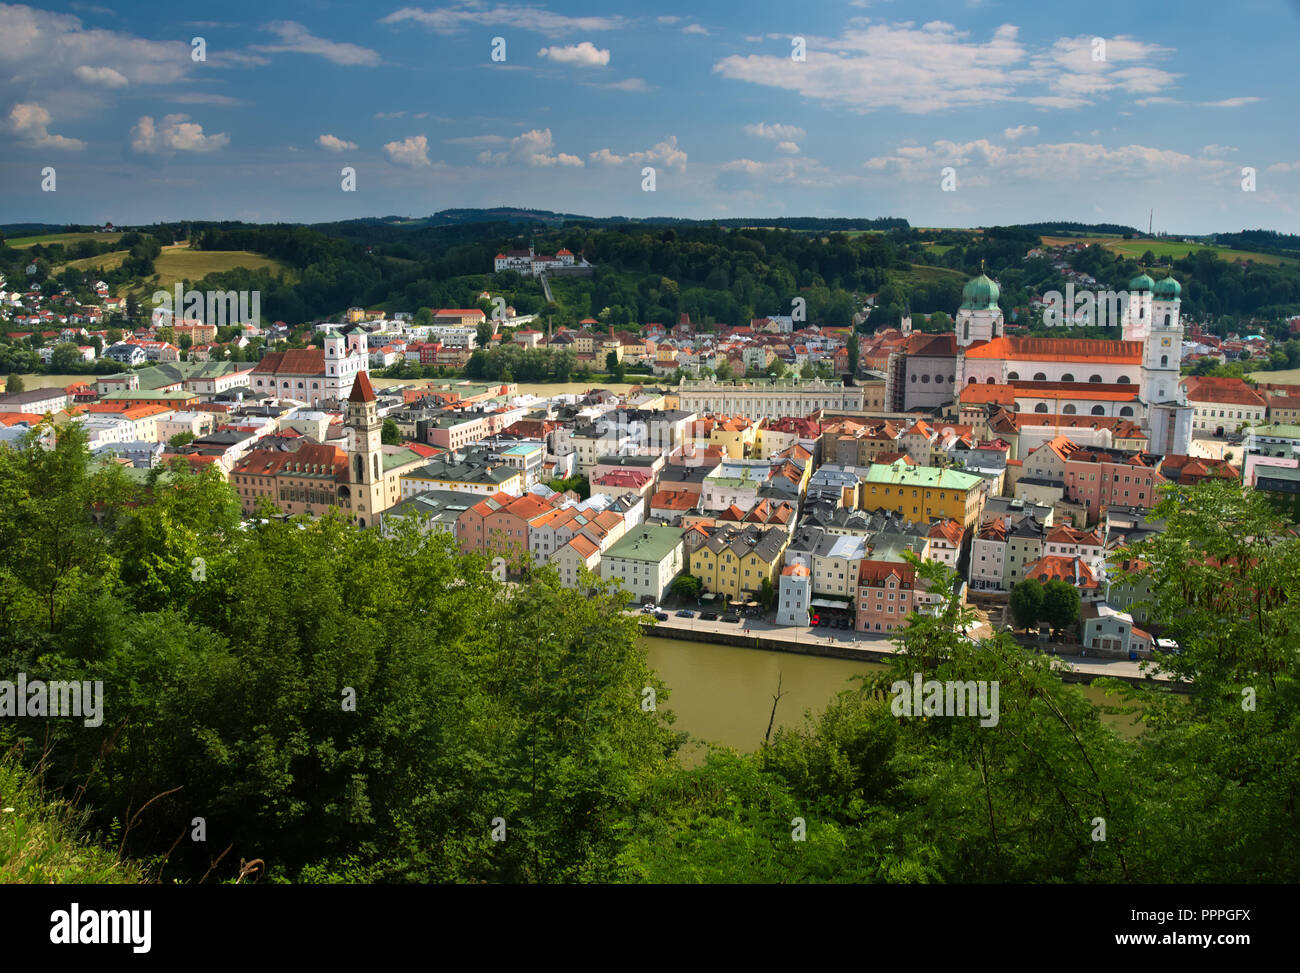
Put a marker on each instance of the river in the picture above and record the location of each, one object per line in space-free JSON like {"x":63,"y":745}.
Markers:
{"x":723,"y":694}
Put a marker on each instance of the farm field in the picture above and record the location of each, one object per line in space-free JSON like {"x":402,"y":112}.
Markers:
{"x":1289,"y":376}
{"x":179,"y":263}
{"x":19,"y":243}
{"x":1163,"y":248}
{"x":922,"y":274}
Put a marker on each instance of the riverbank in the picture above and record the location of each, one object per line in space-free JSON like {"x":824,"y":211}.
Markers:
{"x":755,"y":634}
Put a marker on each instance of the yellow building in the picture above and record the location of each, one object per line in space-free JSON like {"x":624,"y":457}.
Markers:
{"x":734,"y":560}
{"x":922,"y":493}
{"x":737,"y":436}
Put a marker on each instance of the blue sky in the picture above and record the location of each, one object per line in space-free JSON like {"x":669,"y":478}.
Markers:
{"x":1011,"y":95}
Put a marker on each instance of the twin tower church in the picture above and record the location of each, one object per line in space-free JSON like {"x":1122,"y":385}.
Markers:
{"x":1135,"y":378}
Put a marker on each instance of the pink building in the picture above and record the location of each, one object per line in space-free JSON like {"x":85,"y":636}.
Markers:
{"x":1099,"y":478}
{"x":886,"y":595}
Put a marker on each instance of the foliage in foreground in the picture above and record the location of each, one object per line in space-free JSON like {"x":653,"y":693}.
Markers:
{"x":346,"y":706}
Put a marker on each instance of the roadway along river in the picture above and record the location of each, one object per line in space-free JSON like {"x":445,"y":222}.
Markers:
{"x":723,"y":694}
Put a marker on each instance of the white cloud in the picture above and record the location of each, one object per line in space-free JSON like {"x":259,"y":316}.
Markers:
{"x":667,"y":20}
{"x":791,"y":147}
{"x":471,"y":13}
{"x":695,"y":29}
{"x":779,"y":132}
{"x":102,"y":77}
{"x":532,"y":148}
{"x":1284,"y":167}
{"x":412,"y":151}
{"x":175,"y":133}
{"x":627,"y":84}
{"x":1218,"y":150}
{"x":1020,"y":131}
{"x":1059,"y":162}
{"x":297,"y":39}
{"x":1229,"y":102}
{"x":936,"y":67}
{"x":41,"y":48}
{"x":585,"y":55}
{"x":389,"y":114}
{"x":333,"y":143}
{"x":665,"y":153}
{"x":30,"y":122}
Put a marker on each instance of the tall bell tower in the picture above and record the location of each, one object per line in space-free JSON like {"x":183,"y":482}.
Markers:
{"x":366,"y":461}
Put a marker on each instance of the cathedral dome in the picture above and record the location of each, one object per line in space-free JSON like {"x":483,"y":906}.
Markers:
{"x":1141,"y":283}
{"x":980,"y":293}
{"x":1168,"y":289}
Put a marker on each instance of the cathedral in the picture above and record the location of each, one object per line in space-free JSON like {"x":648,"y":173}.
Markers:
{"x":1135,"y":378}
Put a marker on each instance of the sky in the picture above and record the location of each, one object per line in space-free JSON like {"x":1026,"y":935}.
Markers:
{"x":1027,"y":111}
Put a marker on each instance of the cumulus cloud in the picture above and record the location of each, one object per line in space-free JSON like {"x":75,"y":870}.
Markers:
{"x":533,"y":148}
{"x":665,"y":153}
{"x":477,"y":13}
{"x":333,"y":143}
{"x":584,"y":55}
{"x":40,"y":46}
{"x":30,"y":122}
{"x":102,"y":77}
{"x":936,"y":67}
{"x":175,"y":133}
{"x":695,"y":29}
{"x":1020,"y":131}
{"x":412,"y":151}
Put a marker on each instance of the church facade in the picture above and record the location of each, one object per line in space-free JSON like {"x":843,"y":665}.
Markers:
{"x":1134,"y":378}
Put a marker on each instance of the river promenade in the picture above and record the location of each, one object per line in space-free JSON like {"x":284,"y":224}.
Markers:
{"x":844,"y":644}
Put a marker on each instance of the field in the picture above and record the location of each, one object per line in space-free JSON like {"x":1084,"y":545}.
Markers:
{"x":1289,"y":376}
{"x":922,"y":274}
{"x":1163,"y":248}
{"x":27,"y":241}
{"x":178,"y":263}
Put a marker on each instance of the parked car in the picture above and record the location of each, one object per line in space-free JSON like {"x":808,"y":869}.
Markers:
{"x":816,"y":620}
{"x":732,"y":618}
{"x":709,"y":616}
{"x":686,"y":613}
{"x":662,"y":616}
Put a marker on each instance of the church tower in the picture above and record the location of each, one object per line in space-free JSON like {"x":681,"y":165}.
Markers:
{"x":1162,"y":350}
{"x":1169,"y":417}
{"x":366,"y":460}
{"x":1137,"y":310}
{"x":979,"y":318}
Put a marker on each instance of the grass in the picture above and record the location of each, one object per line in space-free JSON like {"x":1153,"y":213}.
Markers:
{"x":178,"y":263}
{"x":1164,"y":248}
{"x":40,"y":839}
{"x":923,"y":274}
{"x":1288,"y":376}
{"x":26,"y":241}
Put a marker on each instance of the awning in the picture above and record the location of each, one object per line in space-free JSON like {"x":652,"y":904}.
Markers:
{"x":825,"y":603}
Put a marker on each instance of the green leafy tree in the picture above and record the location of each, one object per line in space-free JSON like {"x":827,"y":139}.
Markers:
{"x":390,"y":435}
{"x":14,"y":384}
{"x":1027,"y":598}
{"x":1060,"y":603}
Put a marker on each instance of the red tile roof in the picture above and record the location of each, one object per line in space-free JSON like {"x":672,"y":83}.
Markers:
{"x":1082,"y":350}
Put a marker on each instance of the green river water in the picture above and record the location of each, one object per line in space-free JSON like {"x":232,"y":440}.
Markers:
{"x":723,"y":694}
